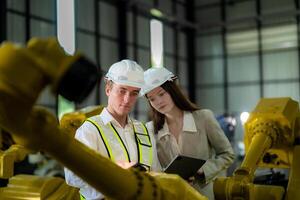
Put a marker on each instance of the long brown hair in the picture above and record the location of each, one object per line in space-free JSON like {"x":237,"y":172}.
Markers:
{"x":179,"y":99}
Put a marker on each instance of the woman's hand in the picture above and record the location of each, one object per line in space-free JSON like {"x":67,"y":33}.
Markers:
{"x":200,"y":176}
{"x":191,"y":180}
{"x":200,"y":172}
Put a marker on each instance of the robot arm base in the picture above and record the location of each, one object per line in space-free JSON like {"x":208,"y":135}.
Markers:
{"x":239,"y":187}
{"x":15,"y":153}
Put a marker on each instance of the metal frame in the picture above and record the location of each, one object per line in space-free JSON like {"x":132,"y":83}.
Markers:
{"x":297,"y":5}
{"x":97,"y":47}
{"x":191,"y":33}
{"x":260,"y":54}
{"x":224,"y":58}
{"x":3,"y":18}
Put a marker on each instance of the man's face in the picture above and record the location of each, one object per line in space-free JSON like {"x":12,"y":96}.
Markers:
{"x":121,"y":98}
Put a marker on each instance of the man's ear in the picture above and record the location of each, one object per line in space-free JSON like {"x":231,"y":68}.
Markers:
{"x":107,"y":89}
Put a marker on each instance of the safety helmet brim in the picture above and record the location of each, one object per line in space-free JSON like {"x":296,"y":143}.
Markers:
{"x":126,"y":83}
{"x":126,"y":72}
{"x":155,"y":77}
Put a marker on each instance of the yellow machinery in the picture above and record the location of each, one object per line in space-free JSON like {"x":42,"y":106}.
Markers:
{"x":272,"y":140}
{"x":70,"y":122}
{"x":28,"y":186}
{"x":24,"y":72}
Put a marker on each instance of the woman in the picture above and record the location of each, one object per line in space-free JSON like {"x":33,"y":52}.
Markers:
{"x":181,"y":128}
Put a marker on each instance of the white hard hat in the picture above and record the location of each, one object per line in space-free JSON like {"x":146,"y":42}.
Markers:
{"x":126,"y":72}
{"x":155,"y":77}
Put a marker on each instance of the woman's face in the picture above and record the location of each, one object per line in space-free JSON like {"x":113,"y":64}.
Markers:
{"x":161,"y":100}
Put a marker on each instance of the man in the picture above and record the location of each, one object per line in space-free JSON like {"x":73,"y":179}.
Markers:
{"x":113,"y":133}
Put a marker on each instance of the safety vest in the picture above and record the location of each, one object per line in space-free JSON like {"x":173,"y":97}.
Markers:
{"x":115,"y":147}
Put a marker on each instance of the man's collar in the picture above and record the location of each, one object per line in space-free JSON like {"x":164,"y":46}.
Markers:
{"x":107,"y":117}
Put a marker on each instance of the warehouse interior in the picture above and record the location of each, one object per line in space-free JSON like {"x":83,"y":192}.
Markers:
{"x":228,"y":54}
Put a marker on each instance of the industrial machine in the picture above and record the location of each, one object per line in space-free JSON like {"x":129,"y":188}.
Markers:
{"x":70,"y":122}
{"x":15,"y":186}
{"x":24,"y":72}
{"x":272,"y":140}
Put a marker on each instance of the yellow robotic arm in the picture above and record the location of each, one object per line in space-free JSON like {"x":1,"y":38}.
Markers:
{"x":70,"y":122}
{"x":15,"y":153}
{"x":271,"y":140}
{"x":43,"y":62}
{"x":9,"y":154}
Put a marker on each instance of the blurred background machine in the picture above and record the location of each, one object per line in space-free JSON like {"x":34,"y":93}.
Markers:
{"x":35,"y":129}
{"x":228,"y":124}
{"x":272,"y":140}
{"x":17,"y":163}
{"x":17,"y":181}
{"x":70,"y":122}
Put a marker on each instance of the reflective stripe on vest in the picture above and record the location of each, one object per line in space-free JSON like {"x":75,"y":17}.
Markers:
{"x":81,"y":197}
{"x":115,"y":146}
{"x":104,"y":139}
{"x":145,"y":154}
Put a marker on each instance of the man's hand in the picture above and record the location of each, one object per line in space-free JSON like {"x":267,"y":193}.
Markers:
{"x":125,"y":164}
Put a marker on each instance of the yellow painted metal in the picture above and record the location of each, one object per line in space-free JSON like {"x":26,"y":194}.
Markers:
{"x":240,"y":188}
{"x":270,"y":134}
{"x":15,"y":153}
{"x":70,"y":122}
{"x":24,"y":72}
{"x":267,"y":192}
{"x":293,"y":191}
{"x":277,"y":115}
{"x":28,"y":187}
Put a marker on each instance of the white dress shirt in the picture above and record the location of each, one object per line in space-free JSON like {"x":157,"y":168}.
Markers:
{"x":201,"y":137}
{"x":89,"y":135}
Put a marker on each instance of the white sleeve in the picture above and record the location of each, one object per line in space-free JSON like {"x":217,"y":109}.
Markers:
{"x":156,"y":166}
{"x":224,"y":153}
{"x":86,"y":134}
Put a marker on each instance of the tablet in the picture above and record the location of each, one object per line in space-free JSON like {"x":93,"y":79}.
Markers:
{"x":184,"y":166}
